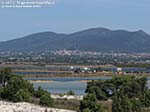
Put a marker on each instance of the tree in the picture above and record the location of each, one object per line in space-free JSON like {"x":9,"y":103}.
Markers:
{"x":136,"y":105}
{"x":129,"y":85}
{"x":5,"y":75}
{"x":90,"y":104}
{"x":121,"y":104}
{"x":128,"y":93}
{"x":145,"y":99}
{"x":128,"y":96}
{"x":16,"y":87}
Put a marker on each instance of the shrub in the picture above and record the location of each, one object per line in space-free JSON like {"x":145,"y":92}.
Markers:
{"x":129,"y":93}
{"x":86,"y":110}
{"x":1,"y":91}
{"x":46,"y":99}
{"x":22,"y":95}
{"x":16,"y":85}
{"x":70,"y":93}
{"x":90,"y":104}
{"x":39,"y":92}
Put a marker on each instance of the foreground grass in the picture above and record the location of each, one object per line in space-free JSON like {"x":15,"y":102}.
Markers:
{"x":67,"y":104}
{"x":61,"y":104}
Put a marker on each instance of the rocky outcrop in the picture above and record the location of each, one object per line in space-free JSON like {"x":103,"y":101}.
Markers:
{"x":68,"y":97}
{"x":26,"y":107}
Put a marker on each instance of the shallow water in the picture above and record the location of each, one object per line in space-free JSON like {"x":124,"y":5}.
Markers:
{"x":64,"y":79}
{"x":63,"y":85}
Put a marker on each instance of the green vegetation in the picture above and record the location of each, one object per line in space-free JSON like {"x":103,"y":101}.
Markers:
{"x":72,"y":104}
{"x":70,"y":93}
{"x":46,"y":99}
{"x":14,"y":88}
{"x":124,"y":93}
{"x":39,"y":92}
{"x":127,"y":93}
{"x":90,"y":104}
{"x":22,"y":95}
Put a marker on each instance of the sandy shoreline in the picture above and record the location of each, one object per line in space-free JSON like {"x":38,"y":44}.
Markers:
{"x":41,"y":81}
{"x":50,"y":81}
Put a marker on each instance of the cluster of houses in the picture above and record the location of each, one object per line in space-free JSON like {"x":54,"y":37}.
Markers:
{"x":115,"y":70}
{"x":85,"y":70}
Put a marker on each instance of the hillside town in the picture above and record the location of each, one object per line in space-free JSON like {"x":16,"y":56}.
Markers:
{"x":77,"y":57}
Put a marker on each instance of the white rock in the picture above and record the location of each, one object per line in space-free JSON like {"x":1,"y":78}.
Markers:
{"x":26,"y":107}
{"x":68,"y":97}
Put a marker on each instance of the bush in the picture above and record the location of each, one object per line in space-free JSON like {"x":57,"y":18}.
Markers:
{"x":86,"y":110}
{"x":90,"y":104}
{"x":70,"y":93}
{"x":15,"y":88}
{"x":5,"y":75}
{"x":145,"y":100}
{"x":39,"y":92}
{"x":1,"y":91}
{"x":131,"y":96}
{"x":22,"y":95}
{"x":129,"y":93}
{"x":129,"y":85}
{"x":46,"y":99}
{"x":121,"y":104}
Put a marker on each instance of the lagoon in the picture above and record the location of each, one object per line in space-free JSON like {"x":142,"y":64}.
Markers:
{"x":63,"y":85}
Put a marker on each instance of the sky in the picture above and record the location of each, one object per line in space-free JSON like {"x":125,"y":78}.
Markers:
{"x":68,"y":16}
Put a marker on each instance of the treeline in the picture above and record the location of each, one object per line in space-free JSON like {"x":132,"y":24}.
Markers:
{"x":127,"y":93}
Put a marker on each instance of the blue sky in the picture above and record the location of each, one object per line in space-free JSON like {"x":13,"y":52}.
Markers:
{"x":68,"y":16}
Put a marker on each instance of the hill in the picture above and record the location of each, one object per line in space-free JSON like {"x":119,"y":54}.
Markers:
{"x":95,"y":39}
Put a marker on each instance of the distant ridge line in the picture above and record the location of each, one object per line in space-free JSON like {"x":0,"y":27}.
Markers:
{"x":94,"y":39}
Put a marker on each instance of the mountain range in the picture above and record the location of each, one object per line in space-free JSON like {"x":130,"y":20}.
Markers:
{"x":94,"y":39}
